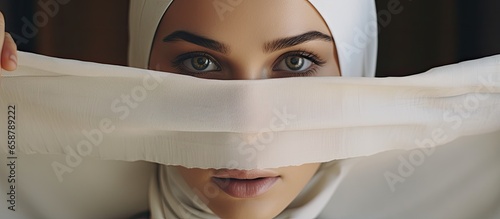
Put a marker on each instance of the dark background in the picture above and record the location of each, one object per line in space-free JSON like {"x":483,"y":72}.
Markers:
{"x":423,"y":35}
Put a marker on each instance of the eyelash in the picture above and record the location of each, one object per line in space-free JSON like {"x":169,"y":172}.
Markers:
{"x":179,"y":60}
{"x":307,"y":55}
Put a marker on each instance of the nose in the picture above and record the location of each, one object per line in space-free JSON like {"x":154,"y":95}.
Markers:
{"x":249,"y":74}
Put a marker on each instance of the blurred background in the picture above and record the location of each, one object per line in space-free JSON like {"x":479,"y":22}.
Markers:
{"x":417,"y":36}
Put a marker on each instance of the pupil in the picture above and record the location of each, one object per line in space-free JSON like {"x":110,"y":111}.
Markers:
{"x":200,"y":63}
{"x":295,"y":63}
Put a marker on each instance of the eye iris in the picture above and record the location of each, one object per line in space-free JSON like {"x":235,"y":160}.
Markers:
{"x":295,"y":63}
{"x":200,"y":63}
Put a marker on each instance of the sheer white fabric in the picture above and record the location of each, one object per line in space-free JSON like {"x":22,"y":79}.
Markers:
{"x":56,"y":100}
{"x":119,"y":113}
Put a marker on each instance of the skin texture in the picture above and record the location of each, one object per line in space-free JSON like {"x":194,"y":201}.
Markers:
{"x":246,"y":33}
{"x":8,"y":49}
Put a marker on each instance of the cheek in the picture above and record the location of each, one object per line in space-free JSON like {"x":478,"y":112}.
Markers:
{"x":329,"y":69}
{"x":299,"y":176}
{"x":195,"y":178}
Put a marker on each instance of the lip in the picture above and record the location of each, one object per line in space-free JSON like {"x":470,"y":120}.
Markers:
{"x":245,"y":183}
{"x":244,"y":174}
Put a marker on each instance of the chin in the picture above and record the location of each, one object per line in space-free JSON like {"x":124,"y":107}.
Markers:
{"x":267,"y":205}
{"x":252,"y":194}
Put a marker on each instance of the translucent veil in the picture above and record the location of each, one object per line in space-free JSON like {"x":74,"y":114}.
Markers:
{"x":119,"y":113}
{"x":116,"y":113}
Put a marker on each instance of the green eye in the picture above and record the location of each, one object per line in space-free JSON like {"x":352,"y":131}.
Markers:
{"x":200,"y":64}
{"x":294,"y":63}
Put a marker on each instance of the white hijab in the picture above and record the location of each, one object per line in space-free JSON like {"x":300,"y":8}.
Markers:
{"x":354,"y":29}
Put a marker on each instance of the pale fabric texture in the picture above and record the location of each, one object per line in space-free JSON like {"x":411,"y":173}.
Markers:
{"x":458,"y":181}
{"x":181,"y":120}
{"x":58,"y":99}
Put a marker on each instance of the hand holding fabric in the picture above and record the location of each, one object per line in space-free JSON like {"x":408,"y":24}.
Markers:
{"x":8,"y":48}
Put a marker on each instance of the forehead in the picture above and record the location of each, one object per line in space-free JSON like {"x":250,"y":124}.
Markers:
{"x":234,"y":21}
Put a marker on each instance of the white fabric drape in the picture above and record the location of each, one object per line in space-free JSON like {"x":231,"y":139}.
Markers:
{"x":128,"y":114}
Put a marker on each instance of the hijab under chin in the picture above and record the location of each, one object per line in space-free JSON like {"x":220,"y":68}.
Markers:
{"x":171,"y":197}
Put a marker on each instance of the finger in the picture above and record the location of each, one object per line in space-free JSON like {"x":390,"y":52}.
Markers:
{"x":2,"y":36}
{"x":9,"y":53}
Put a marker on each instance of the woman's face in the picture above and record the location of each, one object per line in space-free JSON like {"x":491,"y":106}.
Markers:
{"x":245,"y":40}
{"x":255,"y":39}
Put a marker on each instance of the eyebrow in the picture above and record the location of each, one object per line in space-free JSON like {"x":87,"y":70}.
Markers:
{"x":296,"y":40}
{"x":268,"y":47}
{"x":198,"y":40}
